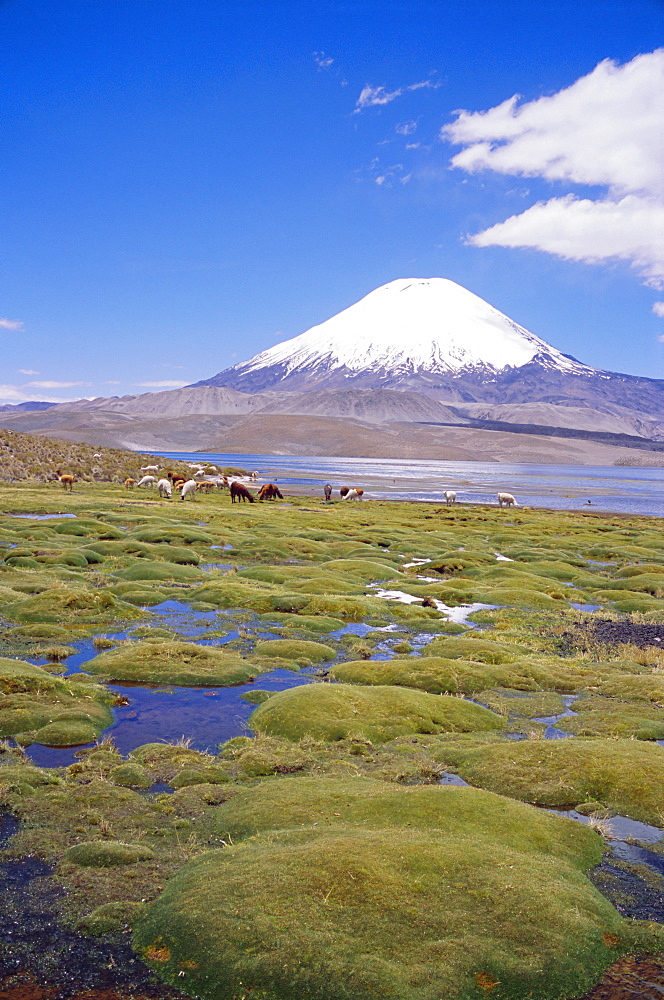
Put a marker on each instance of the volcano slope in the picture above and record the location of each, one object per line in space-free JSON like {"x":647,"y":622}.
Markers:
{"x":318,"y":853}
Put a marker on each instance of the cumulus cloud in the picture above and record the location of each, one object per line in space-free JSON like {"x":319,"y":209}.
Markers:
{"x":11,"y":324}
{"x":604,"y":130}
{"x":371,"y":97}
{"x":658,"y":309}
{"x":163,"y":384}
{"x":630,"y":229}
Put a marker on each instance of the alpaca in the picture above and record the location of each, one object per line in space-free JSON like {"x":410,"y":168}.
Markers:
{"x":344,"y":491}
{"x":450,"y":496}
{"x":207,"y":486}
{"x":269,"y":491}
{"x":149,"y":468}
{"x":327,"y":490}
{"x":189,"y":490}
{"x":240,"y":492}
{"x":148,"y":481}
{"x":165,"y":488}
{"x":130,"y":483}
{"x":355,"y":494}
{"x":507,"y":499}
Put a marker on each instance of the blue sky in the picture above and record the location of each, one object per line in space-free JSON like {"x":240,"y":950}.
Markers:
{"x":184,"y":183}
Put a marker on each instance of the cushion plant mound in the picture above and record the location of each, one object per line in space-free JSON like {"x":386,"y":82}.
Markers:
{"x":649,"y":687}
{"x":63,"y":604}
{"x":55,"y":711}
{"x":295,"y":649}
{"x":130,"y":775}
{"x":166,"y":760}
{"x":312,"y":624}
{"x":146,"y":570}
{"x":145,"y":598}
{"x":441,"y":810}
{"x":365,"y":569}
{"x":106,"y":854}
{"x":67,"y":732}
{"x":38,"y":632}
{"x":182,"y":533}
{"x":16,"y":774}
{"x":625,"y":775}
{"x":109,"y":918}
{"x":354,"y":914}
{"x":171,"y":662}
{"x":598,"y":716}
{"x":212,"y":775}
{"x":519,"y":598}
{"x":334,"y":711}
{"x":481,"y":650}
{"x":440,"y":676}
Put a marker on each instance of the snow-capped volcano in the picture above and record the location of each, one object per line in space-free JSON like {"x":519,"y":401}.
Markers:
{"x":407,"y":328}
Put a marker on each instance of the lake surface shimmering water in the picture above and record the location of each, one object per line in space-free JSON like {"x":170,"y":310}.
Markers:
{"x":623,"y":489}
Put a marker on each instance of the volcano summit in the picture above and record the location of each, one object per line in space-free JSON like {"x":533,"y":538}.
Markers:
{"x":409,"y":333}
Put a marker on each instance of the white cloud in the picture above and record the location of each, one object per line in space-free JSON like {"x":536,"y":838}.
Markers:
{"x":27,"y":371}
{"x":406,"y":128}
{"x":11,"y":324}
{"x":604,"y":130}
{"x":164,"y":384}
{"x":658,"y":309}
{"x":20,"y":394}
{"x":631,"y":229}
{"x":50,"y":384}
{"x":371,"y":97}
{"x":322,"y":61}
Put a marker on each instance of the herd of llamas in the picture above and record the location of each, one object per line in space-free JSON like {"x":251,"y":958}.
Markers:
{"x":239,"y":491}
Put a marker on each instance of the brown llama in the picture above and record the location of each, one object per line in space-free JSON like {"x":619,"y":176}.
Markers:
{"x":130,"y":483}
{"x":270,"y":491}
{"x":240,"y":492}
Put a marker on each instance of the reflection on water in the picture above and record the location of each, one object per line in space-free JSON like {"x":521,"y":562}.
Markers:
{"x":633,"y":490}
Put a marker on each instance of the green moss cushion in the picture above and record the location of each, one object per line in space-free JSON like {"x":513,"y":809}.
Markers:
{"x":107,"y":854}
{"x":171,"y":662}
{"x":295,"y":649}
{"x":450,"y":904}
{"x":335,"y":711}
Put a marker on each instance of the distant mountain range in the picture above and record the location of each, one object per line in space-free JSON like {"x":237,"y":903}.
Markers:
{"x":416,"y":368}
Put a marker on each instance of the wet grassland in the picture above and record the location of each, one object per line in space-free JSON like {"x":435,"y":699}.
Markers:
{"x":387,"y":712}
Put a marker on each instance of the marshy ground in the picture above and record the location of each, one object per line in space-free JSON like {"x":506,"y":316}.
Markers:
{"x":378,"y":705}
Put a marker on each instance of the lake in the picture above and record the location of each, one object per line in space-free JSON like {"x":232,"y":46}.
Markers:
{"x":623,"y":489}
